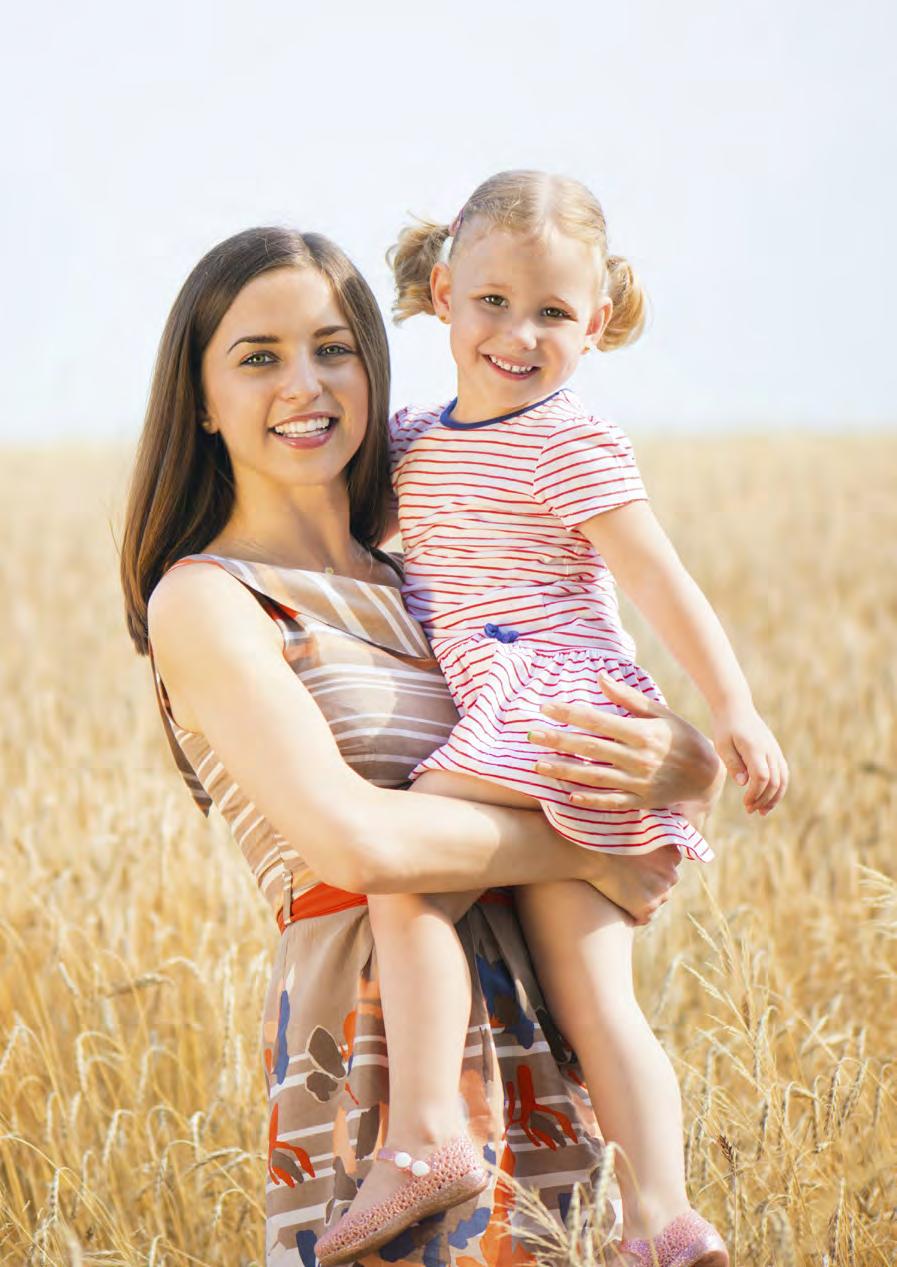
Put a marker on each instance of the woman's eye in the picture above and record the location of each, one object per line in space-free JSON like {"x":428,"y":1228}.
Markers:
{"x":334,"y":349}
{"x":259,"y":358}
{"x":556,"y":313}
{"x":494,"y":301}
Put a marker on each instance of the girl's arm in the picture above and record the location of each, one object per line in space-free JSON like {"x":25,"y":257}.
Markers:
{"x":645,"y":563}
{"x":221,"y":658}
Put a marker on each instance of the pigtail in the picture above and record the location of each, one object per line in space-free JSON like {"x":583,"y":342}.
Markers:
{"x":630,"y":305}
{"x":411,"y":260}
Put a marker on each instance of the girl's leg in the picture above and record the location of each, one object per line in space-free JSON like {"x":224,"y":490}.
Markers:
{"x":425,"y":993}
{"x":581,"y":945}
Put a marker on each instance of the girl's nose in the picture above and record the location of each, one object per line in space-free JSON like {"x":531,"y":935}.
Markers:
{"x":524,"y":335}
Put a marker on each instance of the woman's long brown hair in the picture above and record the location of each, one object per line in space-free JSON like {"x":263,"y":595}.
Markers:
{"x":182,"y":491}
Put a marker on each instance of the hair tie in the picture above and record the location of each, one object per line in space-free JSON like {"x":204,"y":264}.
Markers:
{"x":455,"y":226}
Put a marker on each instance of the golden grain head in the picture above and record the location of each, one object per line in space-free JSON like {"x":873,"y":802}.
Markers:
{"x":135,"y":948}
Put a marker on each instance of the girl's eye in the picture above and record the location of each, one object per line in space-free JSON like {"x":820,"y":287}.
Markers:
{"x":255,"y":358}
{"x":494,"y":301}
{"x":556,"y":313}
{"x":334,"y":349}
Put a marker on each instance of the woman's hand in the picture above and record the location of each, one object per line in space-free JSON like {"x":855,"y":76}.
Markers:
{"x":271,"y":737}
{"x":638,"y":883}
{"x":650,"y":760}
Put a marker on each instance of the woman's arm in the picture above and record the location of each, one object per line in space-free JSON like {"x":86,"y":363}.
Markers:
{"x":221,"y":658}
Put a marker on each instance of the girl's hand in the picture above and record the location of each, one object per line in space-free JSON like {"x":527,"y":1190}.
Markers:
{"x":752,"y":756}
{"x":653,"y":759}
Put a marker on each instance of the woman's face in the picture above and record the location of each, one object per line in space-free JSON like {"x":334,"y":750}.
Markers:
{"x":283,"y":381}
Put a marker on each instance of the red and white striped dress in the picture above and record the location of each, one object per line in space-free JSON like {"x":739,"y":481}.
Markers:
{"x":519,"y":606}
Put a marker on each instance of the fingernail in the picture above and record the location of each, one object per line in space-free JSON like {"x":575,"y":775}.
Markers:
{"x":536,"y":736}
{"x":542,"y":767}
{"x":741,"y":779}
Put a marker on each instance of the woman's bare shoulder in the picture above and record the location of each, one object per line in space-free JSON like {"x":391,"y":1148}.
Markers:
{"x":200,"y":613}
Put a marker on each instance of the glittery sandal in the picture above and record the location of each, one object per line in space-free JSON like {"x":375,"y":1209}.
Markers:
{"x":688,"y":1241}
{"x":452,"y":1174}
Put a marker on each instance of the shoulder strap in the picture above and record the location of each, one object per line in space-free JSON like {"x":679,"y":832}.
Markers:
{"x":392,"y":559}
{"x":200,"y":796}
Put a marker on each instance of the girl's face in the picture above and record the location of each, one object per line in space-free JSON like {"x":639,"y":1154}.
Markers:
{"x":523,"y":310}
{"x":283,"y":380}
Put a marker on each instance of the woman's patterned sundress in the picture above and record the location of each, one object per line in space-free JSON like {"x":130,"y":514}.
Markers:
{"x":371,"y":671}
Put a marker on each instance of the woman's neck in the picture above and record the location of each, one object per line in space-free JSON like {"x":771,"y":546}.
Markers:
{"x":306,"y":527}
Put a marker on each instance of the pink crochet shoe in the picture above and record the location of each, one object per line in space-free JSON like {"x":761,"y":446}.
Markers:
{"x":688,"y":1241}
{"x":452,"y":1173}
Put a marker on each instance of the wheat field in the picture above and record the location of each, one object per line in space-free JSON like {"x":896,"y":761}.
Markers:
{"x":134,"y":949}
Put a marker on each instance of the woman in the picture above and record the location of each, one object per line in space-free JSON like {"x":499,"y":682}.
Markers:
{"x":298,"y":695}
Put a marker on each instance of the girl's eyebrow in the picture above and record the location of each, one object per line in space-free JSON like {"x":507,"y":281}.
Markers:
{"x":323,"y":333}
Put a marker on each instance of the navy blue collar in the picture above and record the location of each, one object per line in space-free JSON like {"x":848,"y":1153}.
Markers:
{"x":447,"y":421}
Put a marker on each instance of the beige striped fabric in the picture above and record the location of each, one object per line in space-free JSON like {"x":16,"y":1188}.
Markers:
{"x":371,"y":672}
{"x":369,"y":668}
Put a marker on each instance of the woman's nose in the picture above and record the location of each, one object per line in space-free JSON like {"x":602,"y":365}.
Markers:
{"x":302,"y":379}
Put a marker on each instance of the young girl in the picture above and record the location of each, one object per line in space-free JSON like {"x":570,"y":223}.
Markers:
{"x":517,"y":508}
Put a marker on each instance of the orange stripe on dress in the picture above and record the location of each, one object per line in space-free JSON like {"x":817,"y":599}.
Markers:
{"x":321,"y":899}
{"x":324,"y":899}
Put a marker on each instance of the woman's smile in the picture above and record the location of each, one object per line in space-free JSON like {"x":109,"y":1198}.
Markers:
{"x":299,"y":386}
{"x":305,"y":431}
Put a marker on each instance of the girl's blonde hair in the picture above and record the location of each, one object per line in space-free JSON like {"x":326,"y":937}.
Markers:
{"x":526,"y":202}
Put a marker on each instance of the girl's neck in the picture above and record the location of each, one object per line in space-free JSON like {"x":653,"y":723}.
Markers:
{"x":474,"y":405}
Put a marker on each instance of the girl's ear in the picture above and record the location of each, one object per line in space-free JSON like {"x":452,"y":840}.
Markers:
{"x":441,"y":291}
{"x":598,"y":324}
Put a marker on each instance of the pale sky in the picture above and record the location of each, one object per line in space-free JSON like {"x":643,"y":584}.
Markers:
{"x":744,"y":154}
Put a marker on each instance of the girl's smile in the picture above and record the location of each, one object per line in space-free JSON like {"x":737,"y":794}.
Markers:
{"x":510,"y":368}
{"x":522,"y":310}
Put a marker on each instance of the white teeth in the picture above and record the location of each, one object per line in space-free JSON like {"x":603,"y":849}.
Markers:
{"x":305,"y":428}
{"x":512,"y":369}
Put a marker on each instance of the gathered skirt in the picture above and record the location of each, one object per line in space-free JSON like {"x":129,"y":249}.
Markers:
{"x":500,"y":689}
{"x":328,"y":1085}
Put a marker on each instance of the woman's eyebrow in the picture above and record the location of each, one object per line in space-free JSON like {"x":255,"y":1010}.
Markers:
{"x":254,"y":338}
{"x":323,"y":333}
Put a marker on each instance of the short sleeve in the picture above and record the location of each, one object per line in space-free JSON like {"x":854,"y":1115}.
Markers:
{"x":586,"y":466}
